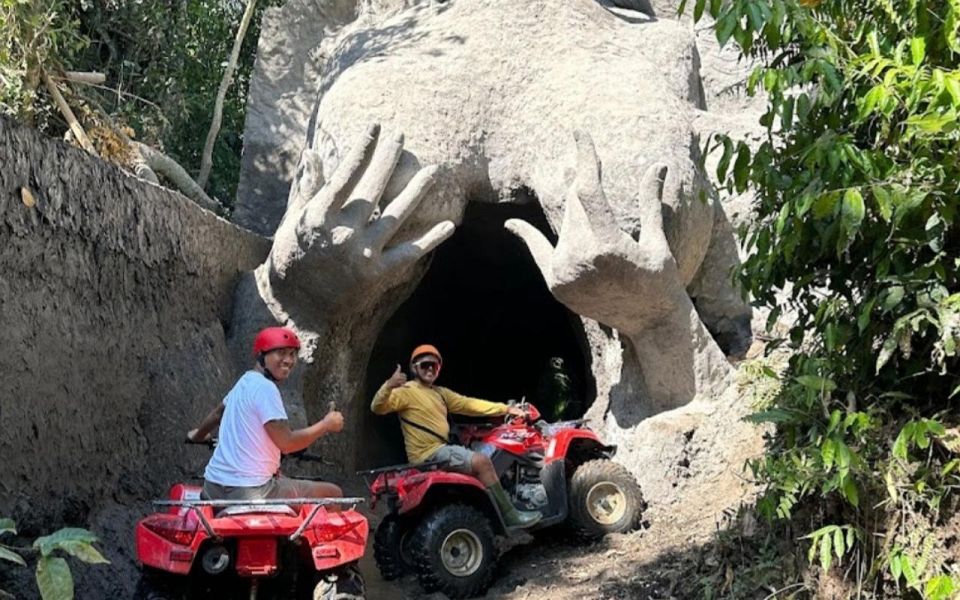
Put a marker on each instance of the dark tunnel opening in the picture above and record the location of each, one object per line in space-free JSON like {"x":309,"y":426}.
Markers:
{"x":503,"y":336}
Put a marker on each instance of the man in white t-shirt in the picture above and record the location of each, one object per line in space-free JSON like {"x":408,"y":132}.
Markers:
{"x":254,"y":430}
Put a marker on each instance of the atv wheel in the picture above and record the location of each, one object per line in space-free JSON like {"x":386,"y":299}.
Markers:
{"x":604,"y":498}
{"x":345,"y":583}
{"x":453,"y":551}
{"x":156,"y":585}
{"x":391,"y":548}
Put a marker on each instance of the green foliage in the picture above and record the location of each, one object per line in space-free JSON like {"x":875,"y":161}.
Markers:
{"x":832,"y":540}
{"x":163,"y":60}
{"x":857,"y":183}
{"x":53,"y":576}
{"x":33,"y":36}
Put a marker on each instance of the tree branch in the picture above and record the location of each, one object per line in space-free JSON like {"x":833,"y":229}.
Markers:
{"x":163,"y":164}
{"x":88,"y":77}
{"x":67,"y":113}
{"x":206,"y":160}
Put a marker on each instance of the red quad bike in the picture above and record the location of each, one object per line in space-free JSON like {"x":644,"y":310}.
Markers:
{"x":441,"y":525}
{"x":282,"y":548}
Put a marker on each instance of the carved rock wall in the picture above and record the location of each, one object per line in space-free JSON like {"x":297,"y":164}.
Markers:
{"x":113,"y":298}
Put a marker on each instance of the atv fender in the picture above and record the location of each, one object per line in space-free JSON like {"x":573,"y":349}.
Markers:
{"x":435,"y":487}
{"x":416,"y":487}
{"x":581,"y":440}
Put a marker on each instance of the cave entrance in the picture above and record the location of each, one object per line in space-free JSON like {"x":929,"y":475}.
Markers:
{"x":484,"y":304}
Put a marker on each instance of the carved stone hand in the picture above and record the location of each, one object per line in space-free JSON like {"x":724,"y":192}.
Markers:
{"x":334,"y":251}
{"x":600,"y":272}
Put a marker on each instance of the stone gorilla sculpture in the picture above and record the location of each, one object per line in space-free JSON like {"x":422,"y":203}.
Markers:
{"x":488,"y":94}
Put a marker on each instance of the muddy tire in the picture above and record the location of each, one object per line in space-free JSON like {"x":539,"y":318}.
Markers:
{"x":452,"y":550}
{"x":604,"y":498}
{"x":344,"y":583}
{"x":155,"y":585}
{"x":391,"y":550}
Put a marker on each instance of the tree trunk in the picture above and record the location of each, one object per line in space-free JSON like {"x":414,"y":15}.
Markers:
{"x":206,"y":160}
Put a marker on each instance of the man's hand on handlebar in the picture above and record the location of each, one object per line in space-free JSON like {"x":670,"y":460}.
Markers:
{"x":516,"y":411}
{"x":194,"y":438}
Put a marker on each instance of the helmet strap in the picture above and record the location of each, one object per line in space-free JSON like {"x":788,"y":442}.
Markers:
{"x":262,"y":361}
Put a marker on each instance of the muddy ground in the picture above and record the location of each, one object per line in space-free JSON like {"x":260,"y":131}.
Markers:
{"x":644,"y":564}
{"x":661,"y":561}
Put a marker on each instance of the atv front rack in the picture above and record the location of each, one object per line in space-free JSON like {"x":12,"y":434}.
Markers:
{"x":194,"y":506}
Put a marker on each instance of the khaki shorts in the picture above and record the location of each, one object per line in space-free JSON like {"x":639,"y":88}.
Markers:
{"x":277,"y":487}
{"x":461,"y":459}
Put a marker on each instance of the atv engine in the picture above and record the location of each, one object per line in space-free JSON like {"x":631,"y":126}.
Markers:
{"x":533,"y":496}
{"x":527,"y":488}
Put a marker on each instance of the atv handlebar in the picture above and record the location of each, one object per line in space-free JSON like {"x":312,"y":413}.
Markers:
{"x":530,"y":412}
{"x":299,"y":454}
{"x":307,"y":457}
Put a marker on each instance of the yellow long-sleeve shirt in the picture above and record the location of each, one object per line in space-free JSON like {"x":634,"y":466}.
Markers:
{"x":425,"y":406}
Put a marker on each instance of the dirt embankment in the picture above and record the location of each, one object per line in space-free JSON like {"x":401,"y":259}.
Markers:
{"x":113,"y":299}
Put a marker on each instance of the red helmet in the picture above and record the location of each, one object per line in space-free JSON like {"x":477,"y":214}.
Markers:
{"x":273,"y":338}
{"x":425,"y":349}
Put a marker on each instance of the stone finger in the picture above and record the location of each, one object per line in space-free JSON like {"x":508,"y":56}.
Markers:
{"x":401,"y":207}
{"x":588,"y":189}
{"x":309,"y":179}
{"x":409,"y":252}
{"x":366,"y":194}
{"x":653,"y":188}
{"x":348,"y":172}
{"x":539,"y":246}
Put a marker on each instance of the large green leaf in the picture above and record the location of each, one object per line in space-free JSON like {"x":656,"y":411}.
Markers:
{"x":826,"y":546}
{"x":49,"y":543}
{"x":84,"y":551}
{"x":11,"y":556}
{"x":918,"y":49}
{"x":940,"y":587}
{"x":850,"y":491}
{"x":852,"y":209}
{"x":8,"y":526}
{"x":54,"y":578}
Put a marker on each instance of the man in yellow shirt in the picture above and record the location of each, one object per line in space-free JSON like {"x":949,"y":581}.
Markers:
{"x":423,"y":408}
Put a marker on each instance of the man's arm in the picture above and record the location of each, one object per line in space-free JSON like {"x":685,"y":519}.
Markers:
{"x":288,"y":440}
{"x":385,"y":401}
{"x":209,"y":423}
{"x":472,"y":407}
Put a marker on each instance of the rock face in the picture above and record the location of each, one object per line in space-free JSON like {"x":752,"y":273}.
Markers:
{"x":114,"y":296}
{"x":490,"y":92}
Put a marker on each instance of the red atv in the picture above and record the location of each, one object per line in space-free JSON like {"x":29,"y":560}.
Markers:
{"x":441,"y":525}
{"x":282,"y":548}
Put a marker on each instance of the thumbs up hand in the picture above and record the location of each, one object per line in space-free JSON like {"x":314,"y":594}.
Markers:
{"x":397,"y":379}
{"x":333,"y":421}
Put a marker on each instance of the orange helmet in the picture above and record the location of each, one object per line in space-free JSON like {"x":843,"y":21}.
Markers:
{"x":425,"y":349}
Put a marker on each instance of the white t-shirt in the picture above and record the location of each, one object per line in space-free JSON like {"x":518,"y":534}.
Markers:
{"x":245,"y":455}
